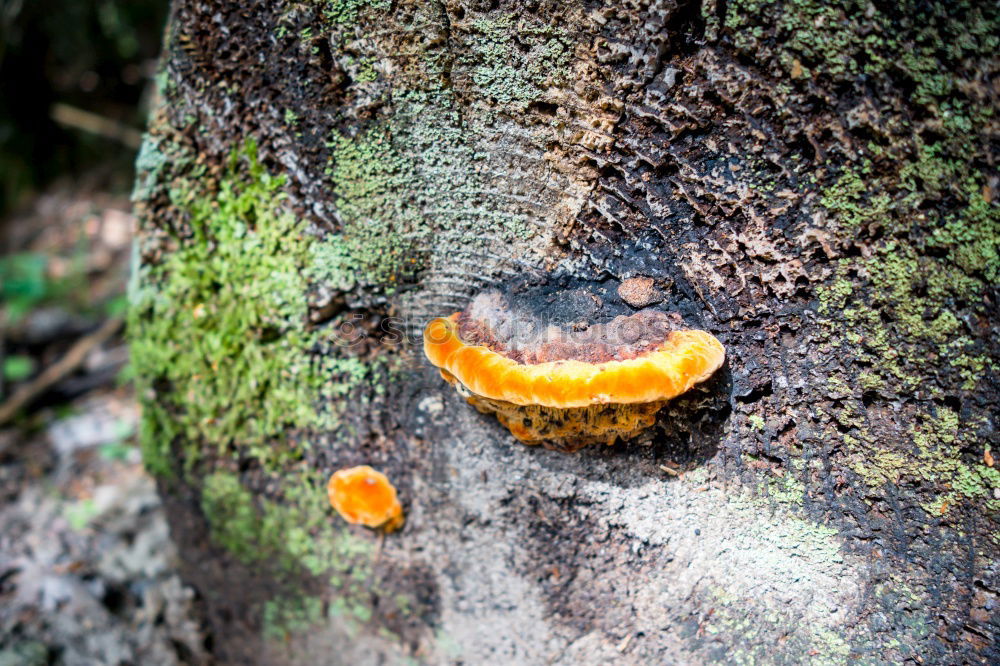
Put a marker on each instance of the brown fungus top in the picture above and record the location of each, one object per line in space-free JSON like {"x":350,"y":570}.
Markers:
{"x":491,"y":322}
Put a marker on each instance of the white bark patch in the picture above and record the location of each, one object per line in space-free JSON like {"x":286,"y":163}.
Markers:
{"x":683,"y":560}
{"x":728,"y":550}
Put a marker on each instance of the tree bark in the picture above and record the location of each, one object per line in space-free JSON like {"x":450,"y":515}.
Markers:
{"x":813,"y":183}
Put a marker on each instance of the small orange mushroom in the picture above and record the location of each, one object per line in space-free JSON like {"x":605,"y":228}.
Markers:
{"x":364,"y":496}
{"x":564,"y":388}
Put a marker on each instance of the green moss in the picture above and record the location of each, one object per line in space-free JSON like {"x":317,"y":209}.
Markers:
{"x":391,"y":185}
{"x":334,"y":263}
{"x":835,"y":295}
{"x":756,"y":421}
{"x":295,"y":538}
{"x":297,"y":534}
{"x":222,"y":323}
{"x":514,"y":61}
{"x":836,"y":387}
{"x":785,"y":490}
{"x":868,"y":380}
{"x":930,"y":458}
{"x":816,"y":34}
{"x":904,"y":302}
{"x":753,"y":638}
{"x":902,"y":312}
{"x":381,"y":236}
{"x":939,"y":440}
{"x":972,"y":237}
{"x":288,"y":615}
{"x":220,"y":341}
{"x":878,"y":467}
{"x":232,"y":516}
{"x":853,"y":202}
{"x":366,"y":71}
{"x":221,"y":344}
{"x":850,"y":37}
{"x":914,"y":291}
{"x":345,"y":12}
{"x":157,"y":157}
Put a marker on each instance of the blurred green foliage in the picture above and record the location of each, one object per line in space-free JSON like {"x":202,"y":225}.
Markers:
{"x":17,"y":368}
{"x":23,"y":283}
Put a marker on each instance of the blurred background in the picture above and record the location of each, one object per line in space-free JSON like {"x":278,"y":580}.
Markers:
{"x":87,"y":573}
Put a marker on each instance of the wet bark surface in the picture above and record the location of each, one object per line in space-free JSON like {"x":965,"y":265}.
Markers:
{"x":795,"y":178}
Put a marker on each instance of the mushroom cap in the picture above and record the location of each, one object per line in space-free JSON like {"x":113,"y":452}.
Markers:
{"x":364,"y":496}
{"x":681,"y":361}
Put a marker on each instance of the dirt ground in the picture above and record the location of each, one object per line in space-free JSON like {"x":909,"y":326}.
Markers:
{"x":88,"y":574}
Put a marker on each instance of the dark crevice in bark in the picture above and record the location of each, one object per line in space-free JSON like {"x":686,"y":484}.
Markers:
{"x":686,"y":26}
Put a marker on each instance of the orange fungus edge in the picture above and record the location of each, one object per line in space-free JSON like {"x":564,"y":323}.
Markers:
{"x":364,"y":496}
{"x":684,"y":359}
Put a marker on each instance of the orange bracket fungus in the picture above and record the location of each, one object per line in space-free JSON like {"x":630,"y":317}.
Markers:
{"x":568,"y":386}
{"x":364,"y":496}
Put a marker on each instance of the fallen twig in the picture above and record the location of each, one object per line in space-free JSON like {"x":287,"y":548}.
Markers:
{"x":55,"y":372}
{"x":70,"y":116}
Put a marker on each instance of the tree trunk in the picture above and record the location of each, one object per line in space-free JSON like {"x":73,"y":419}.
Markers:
{"x":814,"y":184}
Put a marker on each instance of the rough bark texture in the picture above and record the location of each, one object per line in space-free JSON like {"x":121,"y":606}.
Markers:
{"x":814,"y":184}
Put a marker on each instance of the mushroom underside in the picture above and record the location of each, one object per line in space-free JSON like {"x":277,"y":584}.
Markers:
{"x":564,"y":429}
